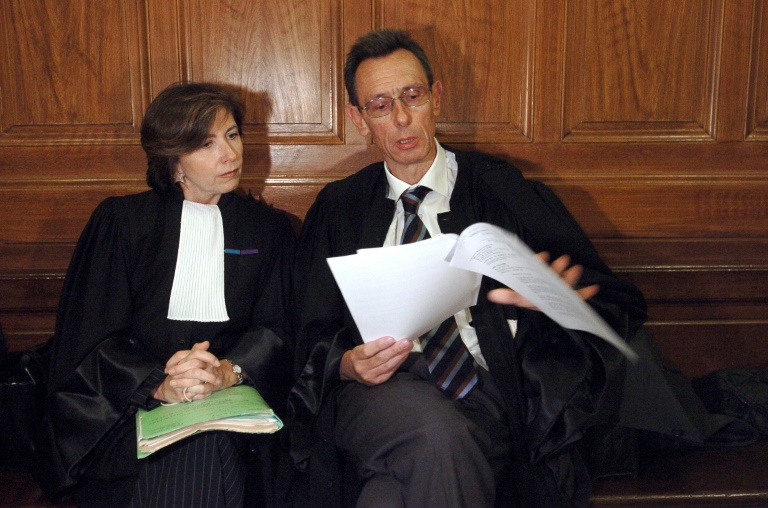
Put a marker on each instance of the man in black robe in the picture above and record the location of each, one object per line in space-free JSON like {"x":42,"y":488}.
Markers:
{"x":372,"y":409}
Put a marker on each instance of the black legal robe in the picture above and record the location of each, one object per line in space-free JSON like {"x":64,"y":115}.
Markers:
{"x":112,"y":332}
{"x":556,"y":382}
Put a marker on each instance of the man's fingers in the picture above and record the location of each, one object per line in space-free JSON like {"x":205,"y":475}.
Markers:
{"x":561,"y":264}
{"x":506,"y":296}
{"x":503,"y":296}
{"x":588,"y":292}
{"x":572,"y":275}
{"x":375,"y":362}
{"x":375,"y":347}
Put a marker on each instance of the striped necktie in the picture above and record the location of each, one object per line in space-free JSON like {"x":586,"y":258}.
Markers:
{"x":451,"y":366}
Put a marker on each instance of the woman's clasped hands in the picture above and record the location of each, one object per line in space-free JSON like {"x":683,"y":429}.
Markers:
{"x":194,"y":374}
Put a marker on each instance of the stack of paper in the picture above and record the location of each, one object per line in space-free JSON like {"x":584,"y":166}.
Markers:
{"x":405,"y":290}
{"x":236,"y":409}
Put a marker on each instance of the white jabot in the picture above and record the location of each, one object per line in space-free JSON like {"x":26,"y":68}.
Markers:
{"x":198,"y":283}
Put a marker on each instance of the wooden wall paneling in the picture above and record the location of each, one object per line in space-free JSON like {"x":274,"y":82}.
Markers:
{"x":635,"y":161}
{"x":51,"y":214}
{"x":698,"y":349}
{"x":29,"y":167}
{"x":641,"y":70}
{"x":644,"y":254}
{"x":31,"y":277}
{"x":75,"y":84}
{"x":295,"y":173}
{"x":283,"y":56}
{"x":703,"y":283}
{"x":71,"y":71}
{"x":707,"y":317}
{"x":757,"y":108}
{"x":34,"y":258}
{"x":719,"y":311}
{"x":737,"y":52}
{"x":668,"y":207}
{"x":360,"y":17}
{"x":482,"y":51}
{"x":293,"y":198}
{"x":28,"y":307}
{"x":167,"y":49}
{"x":27,"y":328}
{"x":549,"y":57}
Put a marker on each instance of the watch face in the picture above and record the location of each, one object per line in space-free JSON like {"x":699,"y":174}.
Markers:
{"x":236,"y":368}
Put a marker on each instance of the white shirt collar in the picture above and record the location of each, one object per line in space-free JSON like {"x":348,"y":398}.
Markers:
{"x":436,"y":178}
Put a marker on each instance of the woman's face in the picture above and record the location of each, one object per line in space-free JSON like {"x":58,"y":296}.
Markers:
{"x":214,"y":168}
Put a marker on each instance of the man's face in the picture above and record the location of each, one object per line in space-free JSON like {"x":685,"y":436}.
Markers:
{"x":406,"y":136}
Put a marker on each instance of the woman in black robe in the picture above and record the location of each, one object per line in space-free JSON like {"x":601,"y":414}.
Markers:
{"x":171,"y":294}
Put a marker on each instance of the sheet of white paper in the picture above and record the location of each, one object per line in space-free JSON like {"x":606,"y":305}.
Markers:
{"x":501,"y":255}
{"x":405,"y":290}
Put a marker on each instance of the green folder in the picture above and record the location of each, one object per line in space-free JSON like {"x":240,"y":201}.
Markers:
{"x":236,"y":409}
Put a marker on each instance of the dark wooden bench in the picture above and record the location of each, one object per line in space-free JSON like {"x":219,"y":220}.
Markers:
{"x":736,"y":477}
{"x":731,"y":477}
{"x":19,"y":489}
{"x":713,"y":477}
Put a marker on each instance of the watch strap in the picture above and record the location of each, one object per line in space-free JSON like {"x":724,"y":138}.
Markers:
{"x":237,"y":371}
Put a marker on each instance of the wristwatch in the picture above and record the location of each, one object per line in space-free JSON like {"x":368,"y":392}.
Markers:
{"x":238,"y":372}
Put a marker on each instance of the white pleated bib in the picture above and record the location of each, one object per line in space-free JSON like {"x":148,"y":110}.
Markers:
{"x":198,"y":283}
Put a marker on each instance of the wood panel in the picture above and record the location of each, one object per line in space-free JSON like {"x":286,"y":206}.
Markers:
{"x":704,"y":318}
{"x":641,"y":70}
{"x":71,"y":71}
{"x":669,"y":208}
{"x":624,"y":205}
{"x":26,"y":328}
{"x":698,"y":349}
{"x":249,"y":40}
{"x":757,"y":112}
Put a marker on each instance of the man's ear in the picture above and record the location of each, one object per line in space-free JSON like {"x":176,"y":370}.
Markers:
{"x":437,"y":95}
{"x":356,"y":116}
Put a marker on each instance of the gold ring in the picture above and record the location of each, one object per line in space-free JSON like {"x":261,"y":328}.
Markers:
{"x":185,"y":395}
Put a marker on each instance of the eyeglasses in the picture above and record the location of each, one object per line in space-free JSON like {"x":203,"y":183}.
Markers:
{"x":411,"y":97}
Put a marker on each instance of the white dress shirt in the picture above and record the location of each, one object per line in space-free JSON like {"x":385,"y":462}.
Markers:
{"x":441,"y":177}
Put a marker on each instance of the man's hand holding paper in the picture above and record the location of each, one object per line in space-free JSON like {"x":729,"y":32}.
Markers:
{"x":403,"y":291}
{"x":501,"y":255}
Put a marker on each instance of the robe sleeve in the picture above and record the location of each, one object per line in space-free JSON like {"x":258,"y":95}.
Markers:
{"x":621,"y":304}
{"x":573,"y":379}
{"x":95,"y":308}
{"x":96,"y":365}
{"x":538,"y":216}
